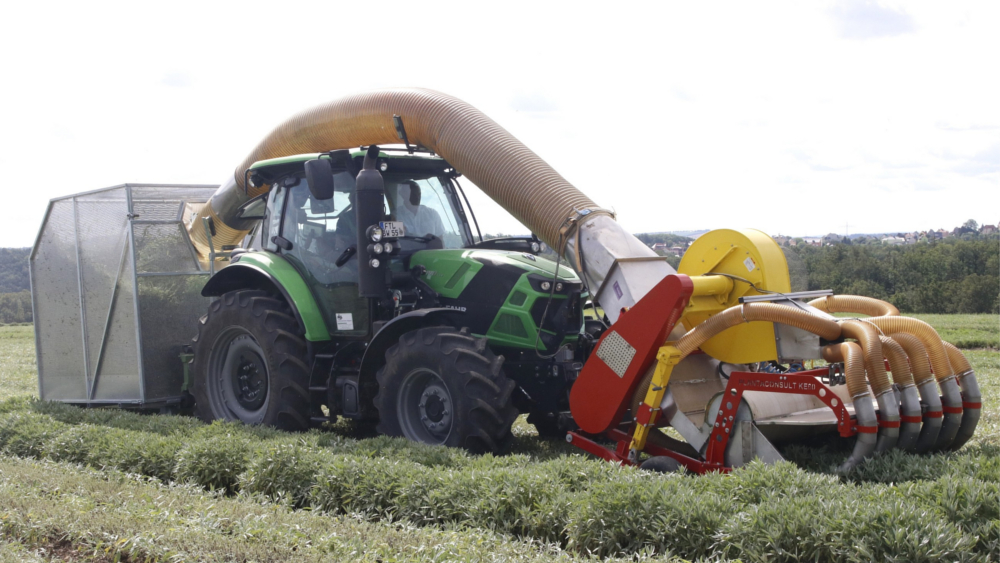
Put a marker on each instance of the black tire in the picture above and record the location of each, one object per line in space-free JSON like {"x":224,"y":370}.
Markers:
{"x":439,"y":386}
{"x":250,"y":363}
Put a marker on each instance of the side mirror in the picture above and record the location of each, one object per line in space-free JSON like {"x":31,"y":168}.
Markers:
{"x":319,"y":173}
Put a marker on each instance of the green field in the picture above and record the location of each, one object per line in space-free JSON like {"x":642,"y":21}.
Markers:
{"x":107,"y":485}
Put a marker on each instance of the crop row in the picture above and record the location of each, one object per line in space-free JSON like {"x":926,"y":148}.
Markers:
{"x":949,"y":510}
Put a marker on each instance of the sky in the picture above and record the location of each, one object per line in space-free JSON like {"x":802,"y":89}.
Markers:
{"x":796,"y":118}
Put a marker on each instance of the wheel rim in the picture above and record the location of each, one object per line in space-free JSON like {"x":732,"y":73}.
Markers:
{"x":425,"y":407}
{"x":238,"y":378}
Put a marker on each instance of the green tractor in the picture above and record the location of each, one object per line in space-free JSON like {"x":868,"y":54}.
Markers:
{"x":363,"y":293}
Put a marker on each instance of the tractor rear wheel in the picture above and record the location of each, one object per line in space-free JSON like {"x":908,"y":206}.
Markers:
{"x":439,"y":386}
{"x":249,"y":363}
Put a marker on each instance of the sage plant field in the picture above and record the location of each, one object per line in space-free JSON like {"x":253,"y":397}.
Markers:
{"x":110,"y":485}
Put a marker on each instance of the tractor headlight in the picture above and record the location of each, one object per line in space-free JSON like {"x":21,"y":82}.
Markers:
{"x":535,"y":247}
{"x":375,"y":233}
{"x":559,"y":287}
{"x":546,"y":285}
{"x":377,"y":248}
{"x":374,"y":263}
{"x":387,"y":246}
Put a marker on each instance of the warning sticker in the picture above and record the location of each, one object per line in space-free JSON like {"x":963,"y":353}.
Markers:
{"x":345,"y":321}
{"x":749,"y":263}
{"x":618,"y":290}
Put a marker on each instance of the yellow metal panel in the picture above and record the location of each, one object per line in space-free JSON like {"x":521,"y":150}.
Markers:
{"x":748,"y":254}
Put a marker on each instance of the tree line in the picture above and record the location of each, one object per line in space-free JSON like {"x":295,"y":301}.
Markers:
{"x":953,"y":275}
{"x":946,"y":276}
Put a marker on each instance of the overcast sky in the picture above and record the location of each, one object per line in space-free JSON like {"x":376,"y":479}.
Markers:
{"x":798,"y":118}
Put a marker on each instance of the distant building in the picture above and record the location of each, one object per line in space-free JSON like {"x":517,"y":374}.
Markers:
{"x":987,"y":229}
{"x":782,"y":240}
{"x":659,"y":246}
{"x":893,"y":240}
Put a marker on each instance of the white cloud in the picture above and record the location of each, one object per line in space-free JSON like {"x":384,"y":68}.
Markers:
{"x":866,"y":19}
{"x":680,"y":117}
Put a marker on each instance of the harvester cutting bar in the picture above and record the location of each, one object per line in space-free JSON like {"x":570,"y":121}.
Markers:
{"x":726,"y":423}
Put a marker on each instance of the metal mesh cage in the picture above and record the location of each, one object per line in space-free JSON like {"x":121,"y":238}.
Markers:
{"x":116,"y":290}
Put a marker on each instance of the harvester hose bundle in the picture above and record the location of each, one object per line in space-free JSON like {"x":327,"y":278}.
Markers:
{"x":957,"y":381}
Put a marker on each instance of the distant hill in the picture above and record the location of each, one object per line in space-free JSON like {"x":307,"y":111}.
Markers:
{"x":14,"y":270}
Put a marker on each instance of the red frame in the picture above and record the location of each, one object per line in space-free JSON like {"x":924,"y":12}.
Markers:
{"x":800,"y":383}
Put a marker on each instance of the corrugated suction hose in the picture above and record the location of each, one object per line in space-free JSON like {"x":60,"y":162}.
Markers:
{"x":854,"y":304}
{"x":750,"y":312}
{"x":506,"y":170}
{"x":920,"y":366}
{"x":971,"y":396}
{"x":910,"y":417}
{"x":867,"y":335}
{"x":943,"y":372}
{"x":854,"y":370}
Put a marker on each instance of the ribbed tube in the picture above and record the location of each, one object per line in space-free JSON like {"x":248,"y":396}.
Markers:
{"x":951,"y":397}
{"x":927,"y":335}
{"x":868,"y":337}
{"x":910,"y":415}
{"x":971,"y":396}
{"x":854,"y":371}
{"x":506,"y":170}
{"x":750,"y":312}
{"x":854,"y":304}
{"x":927,"y":387}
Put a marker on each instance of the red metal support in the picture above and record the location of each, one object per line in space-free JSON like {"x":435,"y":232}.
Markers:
{"x":602,"y":393}
{"x":800,"y":383}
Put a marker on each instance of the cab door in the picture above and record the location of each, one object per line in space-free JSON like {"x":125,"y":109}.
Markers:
{"x":320,"y":231}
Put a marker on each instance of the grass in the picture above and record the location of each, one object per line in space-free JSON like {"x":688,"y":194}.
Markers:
{"x":87,"y":479}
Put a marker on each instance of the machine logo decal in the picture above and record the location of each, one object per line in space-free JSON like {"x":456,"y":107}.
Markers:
{"x":618,"y":290}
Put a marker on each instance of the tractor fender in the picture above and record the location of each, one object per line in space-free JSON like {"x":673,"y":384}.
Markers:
{"x":375,"y":353}
{"x":273,"y":278}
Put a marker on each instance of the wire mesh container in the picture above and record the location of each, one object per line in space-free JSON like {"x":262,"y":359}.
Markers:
{"x":116,"y":290}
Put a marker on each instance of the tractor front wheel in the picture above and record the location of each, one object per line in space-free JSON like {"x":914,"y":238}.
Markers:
{"x":249,"y":363}
{"x":439,"y":386}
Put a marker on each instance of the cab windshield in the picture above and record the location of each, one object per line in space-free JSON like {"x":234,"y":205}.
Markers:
{"x":426,"y":206}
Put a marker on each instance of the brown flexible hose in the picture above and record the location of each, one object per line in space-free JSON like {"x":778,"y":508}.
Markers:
{"x":927,"y":335}
{"x":854,"y":366}
{"x":916,"y":352}
{"x":957,"y":359}
{"x":506,"y":170}
{"x":911,"y":418}
{"x":854,"y":304}
{"x":750,"y":312}
{"x":854,"y":370}
{"x":868,"y":336}
{"x":898,"y":364}
{"x":971,"y":396}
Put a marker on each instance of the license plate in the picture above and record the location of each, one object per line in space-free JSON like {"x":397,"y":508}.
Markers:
{"x":392,"y":229}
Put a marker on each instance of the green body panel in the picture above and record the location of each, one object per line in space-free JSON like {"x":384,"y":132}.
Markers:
{"x":449,"y":272}
{"x":290,"y":279}
{"x":497,"y":335}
